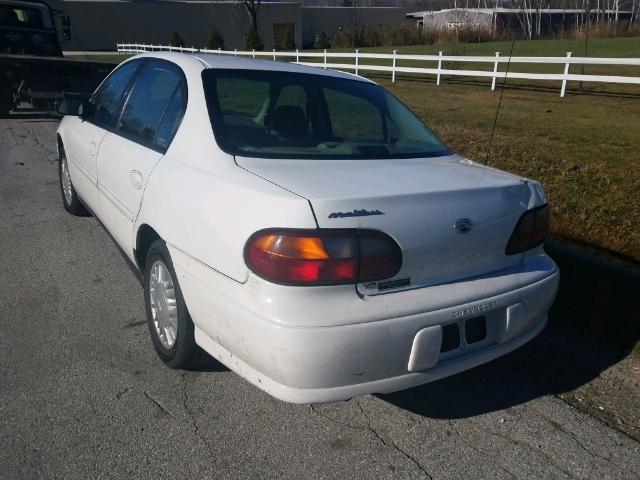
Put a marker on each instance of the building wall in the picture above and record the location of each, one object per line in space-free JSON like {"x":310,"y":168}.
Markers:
{"x":462,"y":18}
{"x":99,"y":25}
{"x":330,"y":19}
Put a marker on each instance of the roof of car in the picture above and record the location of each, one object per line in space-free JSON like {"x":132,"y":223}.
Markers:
{"x":230,"y":61}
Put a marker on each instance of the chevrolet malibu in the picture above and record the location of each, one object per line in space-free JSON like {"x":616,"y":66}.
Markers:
{"x":303,"y":226}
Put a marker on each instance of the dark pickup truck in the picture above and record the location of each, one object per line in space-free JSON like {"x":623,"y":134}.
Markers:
{"x":33,"y":70}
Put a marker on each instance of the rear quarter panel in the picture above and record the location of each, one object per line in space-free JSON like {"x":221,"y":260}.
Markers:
{"x":209,"y":215}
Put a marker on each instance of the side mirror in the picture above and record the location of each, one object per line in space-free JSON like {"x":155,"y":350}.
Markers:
{"x":72,"y":106}
{"x":66,"y":28}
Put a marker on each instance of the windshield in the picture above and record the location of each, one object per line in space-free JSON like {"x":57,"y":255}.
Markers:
{"x":296,"y":115}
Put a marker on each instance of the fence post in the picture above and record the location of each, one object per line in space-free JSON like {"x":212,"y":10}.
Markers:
{"x":274,"y":54}
{"x":439,"y":68}
{"x":495,"y":70}
{"x":566,"y":72}
{"x":356,"y":61}
{"x":297,"y":56}
{"x":254,"y":52}
{"x":325,"y":58}
{"x":393,"y":67}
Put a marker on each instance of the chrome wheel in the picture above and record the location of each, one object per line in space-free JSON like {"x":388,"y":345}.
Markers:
{"x":65,"y":178}
{"x":164,"y":309}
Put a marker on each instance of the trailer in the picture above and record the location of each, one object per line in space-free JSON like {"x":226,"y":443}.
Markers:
{"x":34,"y":74}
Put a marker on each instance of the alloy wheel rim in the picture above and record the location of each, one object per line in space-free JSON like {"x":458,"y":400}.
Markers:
{"x":164,"y":310}
{"x":66,"y":181}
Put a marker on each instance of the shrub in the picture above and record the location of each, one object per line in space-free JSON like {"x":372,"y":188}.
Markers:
{"x":176,"y":40}
{"x":466,"y":34}
{"x":322,"y":41}
{"x":381,"y":36}
{"x":602,"y":29}
{"x":214,"y":40}
{"x":252,"y":41}
{"x":398,"y":35}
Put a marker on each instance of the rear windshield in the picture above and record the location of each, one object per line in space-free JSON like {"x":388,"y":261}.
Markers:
{"x":295,"y":115}
{"x":11,"y":16}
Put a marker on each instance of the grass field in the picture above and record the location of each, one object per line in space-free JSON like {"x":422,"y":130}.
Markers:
{"x":597,"y":47}
{"x":584,"y":148}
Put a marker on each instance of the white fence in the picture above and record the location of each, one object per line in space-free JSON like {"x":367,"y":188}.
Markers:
{"x":322,"y":60}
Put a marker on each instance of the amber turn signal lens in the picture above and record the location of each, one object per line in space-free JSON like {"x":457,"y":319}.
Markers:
{"x":310,"y":248}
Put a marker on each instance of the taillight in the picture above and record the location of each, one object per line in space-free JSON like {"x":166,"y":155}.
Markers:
{"x":322,"y":257}
{"x":531,"y":230}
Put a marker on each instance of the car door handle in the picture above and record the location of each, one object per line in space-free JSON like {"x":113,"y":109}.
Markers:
{"x":136,"y":179}
{"x":92,"y":148}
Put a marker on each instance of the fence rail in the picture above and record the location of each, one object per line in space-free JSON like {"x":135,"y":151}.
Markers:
{"x":358,"y":66}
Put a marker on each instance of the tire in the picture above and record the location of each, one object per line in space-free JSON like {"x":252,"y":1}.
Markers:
{"x":70,"y":200}
{"x":6,"y":102}
{"x":179,"y":350}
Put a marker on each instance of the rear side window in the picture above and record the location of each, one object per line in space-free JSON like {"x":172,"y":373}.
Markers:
{"x":106,"y":102}
{"x":150,"y":97}
{"x":171,"y":118}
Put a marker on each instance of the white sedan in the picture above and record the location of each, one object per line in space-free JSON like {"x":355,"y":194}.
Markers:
{"x":303,"y":227}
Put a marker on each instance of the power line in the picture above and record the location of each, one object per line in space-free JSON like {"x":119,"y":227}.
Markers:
{"x":495,"y":120}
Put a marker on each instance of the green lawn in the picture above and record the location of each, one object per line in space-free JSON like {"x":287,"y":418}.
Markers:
{"x":584,"y":147}
{"x":597,"y":47}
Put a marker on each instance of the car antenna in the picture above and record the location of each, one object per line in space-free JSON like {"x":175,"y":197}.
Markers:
{"x":495,"y":119}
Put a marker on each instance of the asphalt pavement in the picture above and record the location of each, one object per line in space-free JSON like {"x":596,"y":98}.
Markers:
{"x":83,"y":395}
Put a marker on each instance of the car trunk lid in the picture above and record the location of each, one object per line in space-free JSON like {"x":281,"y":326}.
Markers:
{"x":451,"y":217}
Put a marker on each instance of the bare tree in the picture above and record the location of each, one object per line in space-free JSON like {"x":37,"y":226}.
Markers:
{"x":253,"y":7}
{"x":633,"y":13}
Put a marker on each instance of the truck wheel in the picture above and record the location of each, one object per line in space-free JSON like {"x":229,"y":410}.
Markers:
{"x":6,"y":102}
{"x":168,"y":319}
{"x":70,"y":199}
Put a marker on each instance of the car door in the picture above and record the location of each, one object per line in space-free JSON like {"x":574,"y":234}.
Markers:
{"x":150,"y":116}
{"x":89,"y":130}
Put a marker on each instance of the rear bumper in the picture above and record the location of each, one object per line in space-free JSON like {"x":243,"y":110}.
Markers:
{"x":336,"y":362}
{"x":345,"y":392}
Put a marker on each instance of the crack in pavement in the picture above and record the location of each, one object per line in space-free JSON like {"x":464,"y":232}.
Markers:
{"x":476,"y":449}
{"x":597,"y":419}
{"x":40,"y":276}
{"x":134,"y":324}
{"x":333,"y":420}
{"x":558,"y":427}
{"x":196,"y":429}
{"x":393,"y":444}
{"x":123,"y":392}
{"x":157,"y":403}
{"x":531,"y":449}
{"x":369,"y":428}
{"x":592,"y":454}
